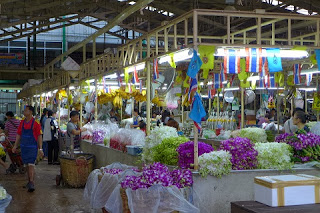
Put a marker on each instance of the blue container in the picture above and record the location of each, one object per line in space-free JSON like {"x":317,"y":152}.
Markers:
{"x":134,"y":150}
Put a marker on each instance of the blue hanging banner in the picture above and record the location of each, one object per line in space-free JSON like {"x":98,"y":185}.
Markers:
{"x":274,"y":60}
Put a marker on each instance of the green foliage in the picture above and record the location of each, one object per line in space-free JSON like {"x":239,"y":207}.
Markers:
{"x":166,"y":153}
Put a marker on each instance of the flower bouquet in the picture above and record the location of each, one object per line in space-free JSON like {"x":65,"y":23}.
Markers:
{"x":165,"y":152}
{"x":157,"y":188}
{"x":244,"y":156}
{"x":254,"y":134}
{"x":186,"y":153}
{"x":216,"y":163}
{"x":155,"y":138}
{"x":274,"y":156}
{"x":306,"y":146}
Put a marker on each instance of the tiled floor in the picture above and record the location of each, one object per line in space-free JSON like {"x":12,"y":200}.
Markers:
{"x":47,"y":197}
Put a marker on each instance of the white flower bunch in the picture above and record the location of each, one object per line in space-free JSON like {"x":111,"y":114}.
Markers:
{"x":156,"y":136}
{"x":216,"y":163}
{"x":3,"y":193}
{"x":274,"y":156}
{"x":254,"y":134}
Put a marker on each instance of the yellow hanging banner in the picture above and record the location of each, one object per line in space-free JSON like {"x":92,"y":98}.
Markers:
{"x":172,"y":62}
{"x":207,"y":58}
{"x":316,"y":101}
{"x":126,"y":75}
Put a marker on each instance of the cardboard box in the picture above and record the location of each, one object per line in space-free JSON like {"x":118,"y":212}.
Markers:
{"x":287,"y":190}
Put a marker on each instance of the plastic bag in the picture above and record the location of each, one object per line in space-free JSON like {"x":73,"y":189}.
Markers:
{"x":89,"y":107}
{"x":158,"y":198}
{"x":106,"y":194}
{"x":316,"y":129}
{"x":5,"y":203}
{"x":91,"y":186}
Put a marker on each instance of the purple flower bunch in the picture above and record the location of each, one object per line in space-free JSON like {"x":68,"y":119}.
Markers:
{"x":112,"y":171}
{"x":186,"y":153}
{"x":98,"y":136}
{"x":306,"y":146}
{"x":158,"y":174}
{"x":182,"y":178}
{"x":244,"y":156}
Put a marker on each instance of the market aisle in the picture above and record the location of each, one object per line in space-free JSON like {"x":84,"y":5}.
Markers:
{"x":47,"y":196}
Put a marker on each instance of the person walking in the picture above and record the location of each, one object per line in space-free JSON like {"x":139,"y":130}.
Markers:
{"x":30,"y":140}
{"x":50,"y":134}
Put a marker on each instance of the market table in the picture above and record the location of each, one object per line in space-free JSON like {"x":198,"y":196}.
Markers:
{"x":256,"y":207}
{"x":105,"y":155}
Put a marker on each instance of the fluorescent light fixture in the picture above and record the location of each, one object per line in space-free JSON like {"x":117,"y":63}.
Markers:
{"x":91,"y":80}
{"x":72,"y":88}
{"x":283,"y":53}
{"x":140,"y":66}
{"x":271,"y":88}
{"x":132,"y":2}
{"x":254,"y":78}
{"x":114,"y":75}
{"x":232,"y":89}
{"x":180,"y":55}
{"x":308,"y":89}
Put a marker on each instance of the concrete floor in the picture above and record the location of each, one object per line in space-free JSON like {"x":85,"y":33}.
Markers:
{"x":47,"y":197}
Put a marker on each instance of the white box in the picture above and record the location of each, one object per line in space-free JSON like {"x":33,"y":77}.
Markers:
{"x":287,"y":190}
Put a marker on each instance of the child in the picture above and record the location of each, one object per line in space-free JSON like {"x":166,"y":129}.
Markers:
{"x":2,"y":152}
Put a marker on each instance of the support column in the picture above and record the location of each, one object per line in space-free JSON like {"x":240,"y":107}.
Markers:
{"x":96,"y":99}
{"x":242,"y":108}
{"x":34,"y":46}
{"x":305,"y":101}
{"x":195,"y":46}
{"x":148,"y":86}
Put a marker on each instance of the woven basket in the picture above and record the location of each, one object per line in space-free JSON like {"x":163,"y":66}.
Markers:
{"x":75,"y":171}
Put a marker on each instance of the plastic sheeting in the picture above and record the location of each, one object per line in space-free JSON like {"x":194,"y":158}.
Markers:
{"x":98,"y":193}
{"x":91,"y":186}
{"x":158,"y":198}
{"x":5,"y":203}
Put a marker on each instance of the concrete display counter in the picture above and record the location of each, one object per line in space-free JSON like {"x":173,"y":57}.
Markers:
{"x":106,"y":156}
{"x":216,"y":194}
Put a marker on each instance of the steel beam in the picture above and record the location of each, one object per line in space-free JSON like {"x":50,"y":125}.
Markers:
{"x":118,"y":19}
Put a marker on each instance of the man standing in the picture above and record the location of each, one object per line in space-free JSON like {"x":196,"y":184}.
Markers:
{"x":30,"y":140}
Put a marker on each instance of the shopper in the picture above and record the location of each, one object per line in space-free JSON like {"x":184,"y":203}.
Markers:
{"x":30,"y":140}
{"x":289,"y":127}
{"x":143,"y":126}
{"x":113,"y":117}
{"x":2,"y":118}
{"x":264,"y":119}
{"x":2,"y":150}
{"x":50,"y":135}
{"x":136,"y":118}
{"x":43,"y":119}
{"x":300,"y":120}
{"x":73,"y":131}
{"x":11,"y":127}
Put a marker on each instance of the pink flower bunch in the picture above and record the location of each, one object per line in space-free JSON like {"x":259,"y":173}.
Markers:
{"x":244,"y":156}
{"x":186,"y":153}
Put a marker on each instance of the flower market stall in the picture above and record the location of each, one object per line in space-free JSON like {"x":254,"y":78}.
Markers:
{"x":226,"y":85}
